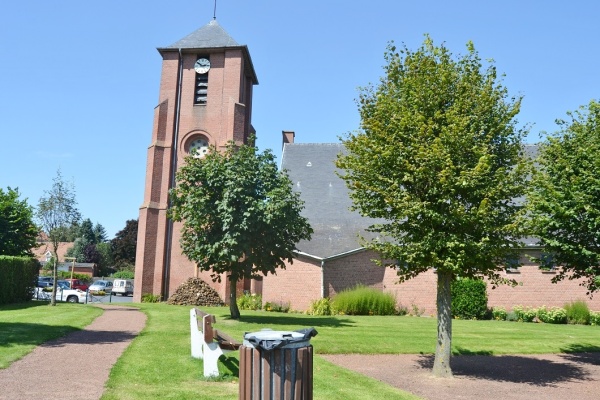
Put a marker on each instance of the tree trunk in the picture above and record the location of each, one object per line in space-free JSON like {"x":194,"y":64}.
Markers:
{"x":54,"y":279}
{"x":441,"y":365}
{"x":233,"y":307}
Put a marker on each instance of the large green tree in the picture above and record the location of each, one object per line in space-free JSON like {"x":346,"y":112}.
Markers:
{"x":99,"y":234}
{"x":564,"y":200}
{"x":438,"y":158}
{"x":18,"y":231}
{"x":89,"y":236}
{"x":124,"y":245}
{"x":57,"y":211}
{"x":240,"y":215}
{"x":106,"y":258}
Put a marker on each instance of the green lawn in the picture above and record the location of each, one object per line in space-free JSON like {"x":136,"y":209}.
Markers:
{"x":25,"y":326}
{"x":158,"y":362}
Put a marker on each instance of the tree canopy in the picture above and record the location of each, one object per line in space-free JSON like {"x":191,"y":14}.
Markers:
{"x":240,"y":216}
{"x":124,"y":244}
{"x":18,"y":231}
{"x":57,"y":211}
{"x":89,"y":236}
{"x":440,"y":159}
{"x":564,"y":200}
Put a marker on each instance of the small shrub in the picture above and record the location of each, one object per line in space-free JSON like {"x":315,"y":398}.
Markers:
{"x":415,"y":310}
{"x":124,"y":274}
{"x":555,"y":315}
{"x":321,"y":307}
{"x":469,"y":299}
{"x":151,"y":298}
{"x":511,"y":316}
{"x":594,"y":318}
{"x":542,"y":314}
{"x":401,"y":310}
{"x":249,"y":301}
{"x":578,"y":312}
{"x":525,"y":314}
{"x":67,"y":275}
{"x":499,"y":313}
{"x":364,"y":300}
{"x":277,"y":307}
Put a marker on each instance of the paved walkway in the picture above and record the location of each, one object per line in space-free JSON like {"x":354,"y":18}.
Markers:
{"x":77,"y":365}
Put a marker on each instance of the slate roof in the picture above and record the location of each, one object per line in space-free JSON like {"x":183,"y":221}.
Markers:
{"x":311,"y":168}
{"x":211,"y":37}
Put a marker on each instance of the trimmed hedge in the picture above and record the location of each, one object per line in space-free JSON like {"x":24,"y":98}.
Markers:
{"x":469,"y":299}
{"x":18,"y":277}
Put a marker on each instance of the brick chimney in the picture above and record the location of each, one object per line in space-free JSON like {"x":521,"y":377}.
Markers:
{"x":288,"y":137}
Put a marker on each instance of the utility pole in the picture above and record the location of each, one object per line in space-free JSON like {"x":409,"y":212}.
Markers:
{"x":72,"y":268}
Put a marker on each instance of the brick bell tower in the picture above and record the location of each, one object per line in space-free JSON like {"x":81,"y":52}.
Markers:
{"x":205,"y":99}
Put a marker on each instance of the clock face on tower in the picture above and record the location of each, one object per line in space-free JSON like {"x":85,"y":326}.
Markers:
{"x":198,"y":148}
{"x":202,"y":66}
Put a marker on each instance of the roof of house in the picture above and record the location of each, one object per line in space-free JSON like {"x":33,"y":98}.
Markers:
{"x":311,"y":167}
{"x":40,"y":251}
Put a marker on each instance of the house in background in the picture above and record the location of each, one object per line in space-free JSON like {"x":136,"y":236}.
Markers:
{"x":43,"y":253}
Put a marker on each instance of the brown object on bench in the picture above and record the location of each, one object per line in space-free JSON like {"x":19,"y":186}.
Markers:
{"x":211,"y":334}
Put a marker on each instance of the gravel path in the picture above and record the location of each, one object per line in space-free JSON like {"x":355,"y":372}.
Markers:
{"x":77,"y":365}
{"x":511,"y":377}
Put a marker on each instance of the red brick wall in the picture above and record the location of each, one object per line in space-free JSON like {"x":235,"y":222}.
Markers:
{"x":300,"y":284}
{"x":345,"y":273}
{"x":535,"y":289}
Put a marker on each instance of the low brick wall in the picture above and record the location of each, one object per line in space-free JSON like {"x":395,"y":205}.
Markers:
{"x":299,"y":284}
{"x":304,"y":282}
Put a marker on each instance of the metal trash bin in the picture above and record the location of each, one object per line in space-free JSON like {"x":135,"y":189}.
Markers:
{"x":277,"y":365}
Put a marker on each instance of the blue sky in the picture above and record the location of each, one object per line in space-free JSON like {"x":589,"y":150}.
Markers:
{"x":79,"y":80}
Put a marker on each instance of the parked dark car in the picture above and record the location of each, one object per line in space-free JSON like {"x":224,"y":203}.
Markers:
{"x":44,"y":281}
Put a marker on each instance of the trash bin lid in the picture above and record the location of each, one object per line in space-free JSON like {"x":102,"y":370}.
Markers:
{"x":268,"y":339}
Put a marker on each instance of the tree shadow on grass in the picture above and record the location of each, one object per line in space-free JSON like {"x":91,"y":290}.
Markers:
{"x":23,"y":306}
{"x":582,"y":353}
{"x":25,"y":333}
{"x":532,"y":370}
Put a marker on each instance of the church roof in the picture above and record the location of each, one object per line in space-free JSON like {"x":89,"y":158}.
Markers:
{"x":311,"y":167}
{"x":211,"y":35}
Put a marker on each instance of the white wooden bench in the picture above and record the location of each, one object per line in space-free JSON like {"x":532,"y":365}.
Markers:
{"x":208,"y":343}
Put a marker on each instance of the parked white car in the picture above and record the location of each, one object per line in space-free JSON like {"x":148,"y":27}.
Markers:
{"x":63,"y":293}
{"x":100,"y":286}
{"x":123,"y":287}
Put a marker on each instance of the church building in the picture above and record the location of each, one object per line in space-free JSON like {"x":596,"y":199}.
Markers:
{"x":205,"y":98}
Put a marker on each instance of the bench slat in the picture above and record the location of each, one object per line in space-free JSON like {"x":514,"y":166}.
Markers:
{"x":205,"y":321}
{"x":226,"y":341}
